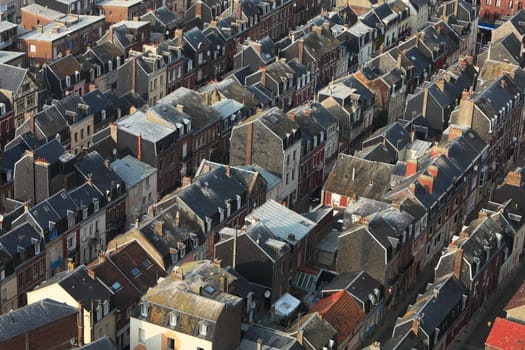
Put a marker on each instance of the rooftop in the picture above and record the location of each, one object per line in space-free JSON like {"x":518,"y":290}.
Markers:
{"x":56,"y":30}
{"x":132,"y":170}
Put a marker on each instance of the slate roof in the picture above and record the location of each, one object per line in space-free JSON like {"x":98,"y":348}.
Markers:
{"x":210,"y":191}
{"x":20,"y":237}
{"x":103,"y":177}
{"x":194,"y":37}
{"x":517,"y":300}
{"x":132,"y":170}
{"x":372,"y":179}
{"x":51,"y":122}
{"x":85,"y":194}
{"x":104,"y":343}
{"x":316,"y":330}
{"x":271,"y":339}
{"x":271,"y":179}
{"x":31,"y":317}
{"x":336,"y":309}
{"x":276,"y":121}
{"x":11,"y":77}
{"x":434,"y":306}
{"x":282,"y":221}
{"x":66,"y":66}
{"x":231,"y":88}
{"x":80,"y":286}
{"x":106,"y":51}
{"x":506,"y":334}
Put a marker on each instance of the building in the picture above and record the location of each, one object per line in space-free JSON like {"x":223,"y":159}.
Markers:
{"x":8,"y":34}
{"x":141,"y":182}
{"x":69,"y":34}
{"x":35,"y":326}
{"x":81,"y":290}
{"x":190,"y":308}
{"x":270,"y":133}
{"x":21,"y":89}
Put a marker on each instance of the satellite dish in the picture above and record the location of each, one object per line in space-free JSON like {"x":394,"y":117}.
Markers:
{"x":267,"y":294}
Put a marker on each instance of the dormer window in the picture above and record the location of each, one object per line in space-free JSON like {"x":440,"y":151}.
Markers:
{"x":36,"y":244}
{"x":95,"y":205}
{"x":203,"y":329}
{"x":84,"y":213}
{"x":99,"y":71}
{"x":103,"y":114}
{"x":238,"y":201}
{"x":174,"y":253}
{"x":2,"y":274}
{"x":182,"y":249}
{"x":173,"y":319}
{"x":70,"y":218}
{"x":221,"y":213}
{"x":144,"y":308}
{"x":77,"y":76}
{"x":68,"y":81}
{"x":110,"y":65}
{"x":118,"y":61}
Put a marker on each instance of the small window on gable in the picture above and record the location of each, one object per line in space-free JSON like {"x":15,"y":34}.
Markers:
{"x":144,"y":310}
{"x":173,"y":319}
{"x":203,"y":329}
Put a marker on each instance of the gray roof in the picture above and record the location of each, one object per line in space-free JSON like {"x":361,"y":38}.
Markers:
{"x":8,"y":56}
{"x":49,"y":34}
{"x":132,"y":170}
{"x":227,"y":107}
{"x":283,"y":222}
{"x":100,"y":344}
{"x":11,"y":77}
{"x":32,"y":316}
{"x":271,"y":338}
{"x":137,"y":123}
{"x":271,"y":179}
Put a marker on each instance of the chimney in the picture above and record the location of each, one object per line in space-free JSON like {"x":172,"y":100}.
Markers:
{"x":396,"y":205}
{"x":70,"y":264}
{"x":503,"y":83}
{"x":178,"y":34}
{"x":259,"y":344}
{"x":133,"y":74}
{"x":113,"y":131}
{"x":263,"y":75}
{"x":26,"y":206}
{"x":139,"y":146}
{"x":433,"y":170}
{"x":458,"y":262}
{"x":80,"y":323}
{"x":91,"y":273}
{"x":454,"y":133}
{"x":411,"y":167}
{"x":177,"y":219}
{"x":317,"y":29}
{"x":415,"y":325}
{"x":300,"y":335}
{"x":180,"y":108}
{"x":256,"y":46}
{"x":31,"y":118}
{"x":456,"y":6}
{"x":224,"y":283}
{"x":159,"y":225}
{"x":462,"y":64}
{"x":436,"y":151}
{"x":101,"y":257}
{"x":440,"y":83}
{"x":326,"y":25}
{"x":137,"y":223}
{"x":412,"y":188}
{"x":177,"y":273}
{"x":399,"y":60}
{"x":412,"y":135}
{"x":425,"y":100}
{"x":465,"y":95}
{"x":107,"y":163}
{"x":291,"y":115}
{"x":198,"y":9}
{"x":417,"y":40}
{"x":513,"y":178}
{"x":444,"y":16}
{"x":427,"y":181}
{"x":217,"y":262}
{"x":244,"y":229}
{"x":308,"y":112}
{"x":228,"y":171}
{"x":300,"y":49}
{"x":90,"y":179}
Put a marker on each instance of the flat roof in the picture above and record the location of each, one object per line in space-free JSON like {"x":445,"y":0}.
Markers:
{"x":42,"y":11}
{"x":49,"y":35}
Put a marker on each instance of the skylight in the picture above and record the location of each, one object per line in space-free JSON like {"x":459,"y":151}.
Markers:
{"x":116,"y":286}
{"x":135,"y":272}
{"x":146,"y":263}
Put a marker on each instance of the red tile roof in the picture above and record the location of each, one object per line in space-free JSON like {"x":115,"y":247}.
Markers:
{"x":342,"y":312}
{"x":517,"y":299}
{"x":506,"y":335}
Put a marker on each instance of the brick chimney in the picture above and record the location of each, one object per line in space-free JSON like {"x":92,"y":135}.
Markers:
{"x":263,"y":75}
{"x":139,"y":146}
{"x":440,"y":83}
{"x":198,"y":9}
{"x":454,"y":133}
{"x":300,"y":49}
{"x":228,"y":170}
{"x":411,"y":167}
{"x":256,"y":46}
{"x":415,"y":325}
{"x":425,"y":100}
{"x":427,"y":181}
{"x":458,"y":261}
{"x":412,"y":188}
{"x":513,"y":178}
{"x":436,"y":151}
{"x":291,"y":115}
{"x":317,"y":29}
{"x":503,"y":83}
{"x":159,"y":225}
{"x":433,"y":170}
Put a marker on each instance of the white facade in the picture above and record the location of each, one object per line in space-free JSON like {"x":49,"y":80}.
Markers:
{"x":290,"y":174}
{"x":153,"y":336}
{"x":92,"y":236}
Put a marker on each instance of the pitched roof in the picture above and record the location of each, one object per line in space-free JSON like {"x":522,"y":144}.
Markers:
{"x":104,"y":343}
{"x":132,"y":170}
{"x":506,"y":335}
{"x":19,"y":238}
{"x":11,"y":77}
{"x":316,"y":330}
{"x":271,"y":339}
{"x":32,"y":317}
{"x":282,"y":221}
{"x":342,"y":312}
{"x":518,"y":299}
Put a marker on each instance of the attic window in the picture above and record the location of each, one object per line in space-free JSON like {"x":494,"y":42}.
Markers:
{"x":203,"y":329}
{"x":135,"y":272}
{"x":144,"y":310}
{"x":173,"y":319}
{"x":146,"y":263}
{"x":116,"y":286}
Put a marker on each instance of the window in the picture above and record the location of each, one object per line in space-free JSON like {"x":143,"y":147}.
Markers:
{"x":203,"y":329}
{"x":105,"y":304}
{"x":135,"y":272}
{"x":511,"y":4}
{"x":498,"y":3}
{"x":146,"y":263}
{"x":37,"y":247}
{"x":116,"y":286}
{"x":103,"y":114}
{"x":171,"y":344}
{"x":144,"y":310}
{"x":32,"y":48}
{"x":2,"y":275}
{"x":173,"y":319}
{"x":142,"y":335}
